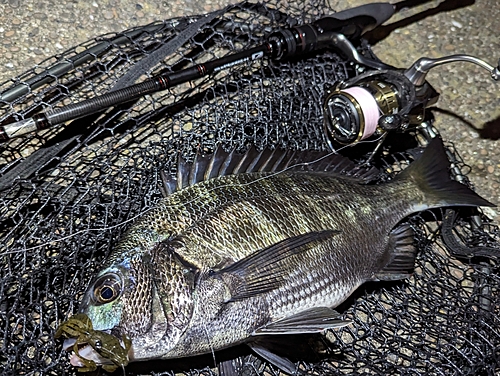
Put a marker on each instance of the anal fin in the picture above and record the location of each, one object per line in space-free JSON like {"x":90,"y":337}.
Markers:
{"x":401,"y":255}
{"x":315,"y":320}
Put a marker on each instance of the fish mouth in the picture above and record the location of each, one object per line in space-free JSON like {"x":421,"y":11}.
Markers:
{"x":85,"y":351}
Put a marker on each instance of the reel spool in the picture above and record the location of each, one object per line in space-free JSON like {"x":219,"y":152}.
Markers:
{"x":353,"y":114}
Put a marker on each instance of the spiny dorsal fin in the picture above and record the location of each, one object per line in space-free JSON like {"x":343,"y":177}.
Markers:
{"x":221,"y":163}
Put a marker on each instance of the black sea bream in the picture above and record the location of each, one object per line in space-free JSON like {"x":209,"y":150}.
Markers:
{"x":238,"y":256}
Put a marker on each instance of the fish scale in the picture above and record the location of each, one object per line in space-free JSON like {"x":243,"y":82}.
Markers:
{"x":272,"y":214}
{"x":280,"y":218}
{"x":335,"y":279}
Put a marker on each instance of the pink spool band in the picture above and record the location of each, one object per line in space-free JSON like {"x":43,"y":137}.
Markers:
{"x":369,"y":109}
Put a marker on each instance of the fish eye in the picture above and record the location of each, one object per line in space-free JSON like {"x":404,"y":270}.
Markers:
{"x":107,"y":288}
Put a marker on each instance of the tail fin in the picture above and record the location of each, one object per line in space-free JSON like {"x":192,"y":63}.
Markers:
{"x":431,"y":174}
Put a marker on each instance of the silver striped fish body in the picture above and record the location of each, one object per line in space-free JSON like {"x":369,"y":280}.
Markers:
{"x":223,"y":220}
{"x":247,"y":251}
{"x":268,"y":210}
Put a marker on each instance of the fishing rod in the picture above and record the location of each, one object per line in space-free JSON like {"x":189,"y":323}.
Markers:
{"x":282,"y":44}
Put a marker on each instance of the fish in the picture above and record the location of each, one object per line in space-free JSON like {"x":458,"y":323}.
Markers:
{"x":259,"y":246}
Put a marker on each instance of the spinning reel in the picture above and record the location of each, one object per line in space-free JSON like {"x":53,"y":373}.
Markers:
{"x":383,"y":99}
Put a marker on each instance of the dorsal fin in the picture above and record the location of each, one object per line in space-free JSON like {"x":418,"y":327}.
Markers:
{"x":221,"y":163}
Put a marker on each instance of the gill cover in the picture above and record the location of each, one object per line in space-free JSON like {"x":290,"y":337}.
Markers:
{"x":173,"y":284}
{"x":148,"y":298}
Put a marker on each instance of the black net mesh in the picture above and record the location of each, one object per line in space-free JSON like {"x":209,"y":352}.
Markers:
{"x":68,"y":193}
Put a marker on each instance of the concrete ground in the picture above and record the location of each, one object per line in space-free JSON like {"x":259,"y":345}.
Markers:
{"x":32,"y":30}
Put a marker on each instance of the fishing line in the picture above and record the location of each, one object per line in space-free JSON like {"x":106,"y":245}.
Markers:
{"x":192,"y":200}
{"x":210,"y":344}
{"x":81,"y":232}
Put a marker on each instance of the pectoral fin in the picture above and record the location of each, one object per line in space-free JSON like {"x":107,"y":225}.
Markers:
{"x":266,"y":269}
{"x":315,"y":320}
